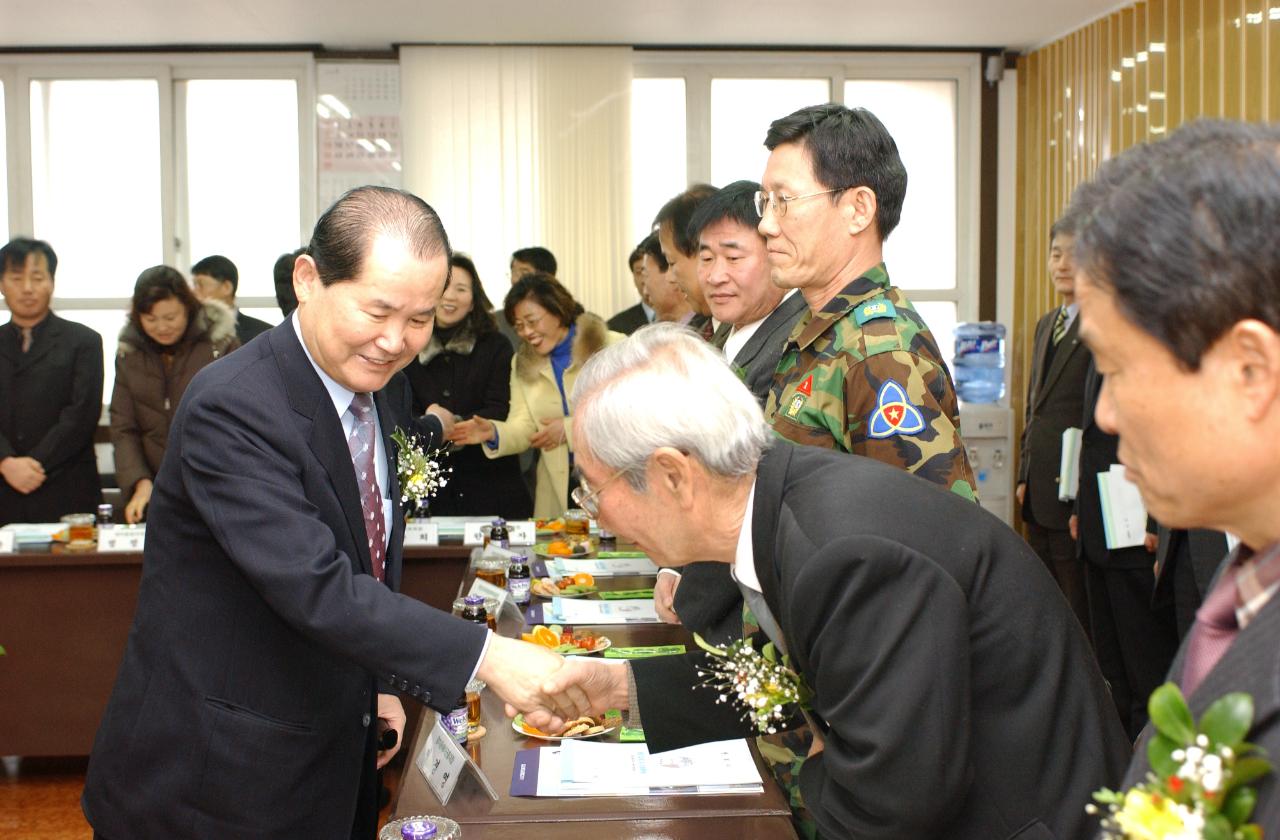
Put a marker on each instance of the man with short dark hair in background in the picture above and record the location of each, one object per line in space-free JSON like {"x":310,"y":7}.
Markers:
{"x":634,"y":317}
{"x":1055,"y":403}
{"x":530,"y":260}
{"x":681,"y":252}
{"x":664,"y":296}
{"x":1179,"y":289}
{"x":50,"y":395}
{"x":216,"y":278}
{"x":755,"y":319}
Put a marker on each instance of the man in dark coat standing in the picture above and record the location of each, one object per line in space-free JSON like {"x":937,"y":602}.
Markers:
{"x":50,"y":395}
{"x":1179,"y":283}
{"x":1055,"y":401}
{"x":954,"y":693}
{"x":269,"y":639}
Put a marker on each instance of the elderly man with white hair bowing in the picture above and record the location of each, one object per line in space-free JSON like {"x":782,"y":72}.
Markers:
{"x":954,"y":693}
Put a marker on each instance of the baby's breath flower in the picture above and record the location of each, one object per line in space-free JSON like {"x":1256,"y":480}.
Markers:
{"x":419,"y":471}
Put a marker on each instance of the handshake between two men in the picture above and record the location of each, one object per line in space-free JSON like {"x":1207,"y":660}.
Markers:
{"x":548,"y":688}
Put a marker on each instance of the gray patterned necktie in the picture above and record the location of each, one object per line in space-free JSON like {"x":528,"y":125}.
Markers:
{"x":362,"y":449}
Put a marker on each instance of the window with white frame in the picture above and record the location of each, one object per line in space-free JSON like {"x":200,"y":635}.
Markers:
{"x":123,"y":165}
{"x":930,"y":104}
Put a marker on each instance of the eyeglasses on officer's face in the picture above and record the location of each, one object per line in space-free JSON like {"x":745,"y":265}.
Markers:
{"x":776,"y":202}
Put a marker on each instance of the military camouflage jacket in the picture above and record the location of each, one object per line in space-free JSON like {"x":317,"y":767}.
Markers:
{"x":864,"y":375}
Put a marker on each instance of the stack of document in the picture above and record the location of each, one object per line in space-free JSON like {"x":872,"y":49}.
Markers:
{"x":1069,"y":467}
{"x":581,"y":611}
{"x":558,"y":567}
{"x":1124,"y":518}
{"x":588,"y":768}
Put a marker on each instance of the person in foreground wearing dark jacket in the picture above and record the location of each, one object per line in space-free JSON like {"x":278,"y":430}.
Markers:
{"x":955,"y":694}
{"x":50,"y":395}
{"x":269,"y":641}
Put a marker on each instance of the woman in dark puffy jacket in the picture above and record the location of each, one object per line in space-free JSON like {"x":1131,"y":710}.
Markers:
{"x":466,"y":369}
{"x":168,"y":337}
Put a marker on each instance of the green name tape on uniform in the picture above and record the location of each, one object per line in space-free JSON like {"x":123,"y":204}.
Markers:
{"x":873,"y":309}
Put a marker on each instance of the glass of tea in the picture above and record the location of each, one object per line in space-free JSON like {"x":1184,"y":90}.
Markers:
{"x":493,"y":570}
{"x":80,"y":528}
{"x":473,"y":704}
{"x":577,"y":524}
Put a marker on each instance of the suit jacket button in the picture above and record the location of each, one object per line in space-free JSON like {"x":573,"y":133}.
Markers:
{"x":426,"y":697}
{"x":404,"y":685}
{"x":364,"y":721}
{"x":417,"y":689}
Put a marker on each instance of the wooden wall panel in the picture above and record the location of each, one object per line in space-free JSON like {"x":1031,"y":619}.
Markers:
{"x":1127,"y":78}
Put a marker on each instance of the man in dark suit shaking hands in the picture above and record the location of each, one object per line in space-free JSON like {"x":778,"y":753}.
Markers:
{"x":268,"y":635}
{"x":1180,"y":303}
{"x":955,"y":696}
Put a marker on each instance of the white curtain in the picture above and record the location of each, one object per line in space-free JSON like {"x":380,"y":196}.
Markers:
{"x":520,"y":146}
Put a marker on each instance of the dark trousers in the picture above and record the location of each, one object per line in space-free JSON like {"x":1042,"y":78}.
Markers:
{"x":1058,"y":551}
{"x":1135,"y":643}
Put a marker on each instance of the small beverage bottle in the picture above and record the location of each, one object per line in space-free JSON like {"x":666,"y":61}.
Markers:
{"x":498,"y":534}
{"x":106,"y":516}
{"x":473,"y":609}
{"x":518,"y":580}
{"x":455,"y":723}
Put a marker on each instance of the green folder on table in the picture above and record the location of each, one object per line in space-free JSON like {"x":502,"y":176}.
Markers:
{"x":643,"y":652}
{"x":625,"y":594}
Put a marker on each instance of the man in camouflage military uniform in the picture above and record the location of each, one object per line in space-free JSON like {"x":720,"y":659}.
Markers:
{"x":861,"y":373}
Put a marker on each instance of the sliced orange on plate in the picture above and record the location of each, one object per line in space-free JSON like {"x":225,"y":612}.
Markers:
{"x":584,"y":579}
{"x":544,"y":636}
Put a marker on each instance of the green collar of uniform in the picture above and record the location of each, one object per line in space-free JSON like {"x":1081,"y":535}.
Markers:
{"x":874,"y":281}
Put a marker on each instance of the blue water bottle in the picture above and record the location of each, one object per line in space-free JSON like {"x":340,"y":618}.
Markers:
{"x":979,"y":362}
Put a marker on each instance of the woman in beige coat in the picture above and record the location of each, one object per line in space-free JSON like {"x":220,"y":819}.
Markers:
{"x":556,"y":339}
{"x":169,"y":336}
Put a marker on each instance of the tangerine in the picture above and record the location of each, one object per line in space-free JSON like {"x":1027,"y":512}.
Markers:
{"x":544,"y":636}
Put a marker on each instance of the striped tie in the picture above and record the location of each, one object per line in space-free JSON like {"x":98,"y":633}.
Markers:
{"x":362,"y":453}
{"x":1060,"y":325}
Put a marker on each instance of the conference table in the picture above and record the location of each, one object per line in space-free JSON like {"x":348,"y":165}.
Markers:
{"x":65,"y":619}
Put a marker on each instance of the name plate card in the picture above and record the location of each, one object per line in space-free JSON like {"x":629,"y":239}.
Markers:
{"x":442,"y":760}
{"x":122,"y":538}
{"x":522,"y":533}
{"x":518,"y":533}
{"x":418,"y":533}
{"x":6,"y":542}
{"x":473,"y":532}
